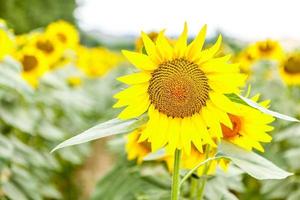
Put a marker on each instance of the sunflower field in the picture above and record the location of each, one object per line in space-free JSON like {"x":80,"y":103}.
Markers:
{"x":156,"y":116}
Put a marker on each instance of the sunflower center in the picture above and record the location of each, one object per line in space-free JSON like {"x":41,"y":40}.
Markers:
{"x":266,"y":48}
{"x":292,"y":65}
{"x":45,"y":46}
{"x":230,"y":133}
{"x":62,"y":37}
{"x":178,"y":88}
{"x":29,"y":63}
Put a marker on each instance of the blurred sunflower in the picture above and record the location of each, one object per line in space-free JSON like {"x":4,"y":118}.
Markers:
{"x":250,"y":126}
{"x":34,"y":65}
{"x":50,"y":47}
{"x":95,"y":62}
{"x":290,"y":69}
{"x":246,"y":59}
{"x":268,"y":49}
{"x":6,"y":44}
{"x":64,"y":32}
{"x":182,"y":88}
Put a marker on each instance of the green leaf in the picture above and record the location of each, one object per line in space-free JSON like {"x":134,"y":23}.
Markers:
{"x":11,"y":77}
{"x":155,"y":155}
{"x":108,"y":128}
{"x":267,"y":111}
{"x":291,"y":132}
{"x":127,"y":181}
{"x":252,"y":163}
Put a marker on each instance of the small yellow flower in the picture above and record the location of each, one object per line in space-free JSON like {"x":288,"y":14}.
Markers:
{"x":268,"y":49}
{"x":64,"y":32}
{"x":34,"y":65}
{"x":250,"y":127}
{"x":182,"y":89}
{"x":6,"y":44}
{"x":290,"y":69}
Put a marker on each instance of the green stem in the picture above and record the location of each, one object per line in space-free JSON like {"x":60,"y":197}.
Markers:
{"x":176,"y":176}
{"x":194,"y":186}
{"x":204,"y":178}
{"x":197,"y":166}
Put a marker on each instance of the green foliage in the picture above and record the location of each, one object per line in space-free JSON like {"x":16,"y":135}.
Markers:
{"x":26,"y":15}
{"x":32,"y":122}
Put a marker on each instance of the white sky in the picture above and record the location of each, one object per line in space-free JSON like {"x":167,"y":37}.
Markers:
{"x":250,"y":20}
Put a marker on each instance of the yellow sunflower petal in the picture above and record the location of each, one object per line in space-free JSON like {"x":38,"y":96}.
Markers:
{"x":136,"y":78}
{"x":165,"y":49}
{"x":150,"y":48}
{"x":133,"y":111}
{"x":209,"y":53}
{"x":219,"y":115}
{"x":139,"y":60}
{"x":195,"y":47}
{"x":132,"y":91}
{"x":181,"y":44}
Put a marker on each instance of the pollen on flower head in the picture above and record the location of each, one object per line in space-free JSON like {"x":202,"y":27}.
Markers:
{"x":178,"y":88}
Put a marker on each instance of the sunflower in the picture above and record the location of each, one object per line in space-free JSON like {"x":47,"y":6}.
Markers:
{"x":137,"y":150}
{"x":246,"y":59}
{"x":290,"y":69}
{"x":95,"y":62}
{"x":182,"y":88}
{"x":34,"y":65}
{"x":51,"y":49}
{"x":250,"y":127}
{"x":268,"y":49}
{"x":64,"y":32}
{"x":6,"y":44}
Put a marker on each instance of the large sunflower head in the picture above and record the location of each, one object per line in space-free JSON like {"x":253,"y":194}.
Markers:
{"x":182,"y":88}
{"x":64,"y":32}
{"x":34,"y":64}
{"x":290,"y":69}
{"x":250,"y":127}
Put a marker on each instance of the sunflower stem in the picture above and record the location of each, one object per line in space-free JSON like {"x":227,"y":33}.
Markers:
{"x":193,"y":189}
{"x":204,"y":177}
{"x":176,"y":176}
